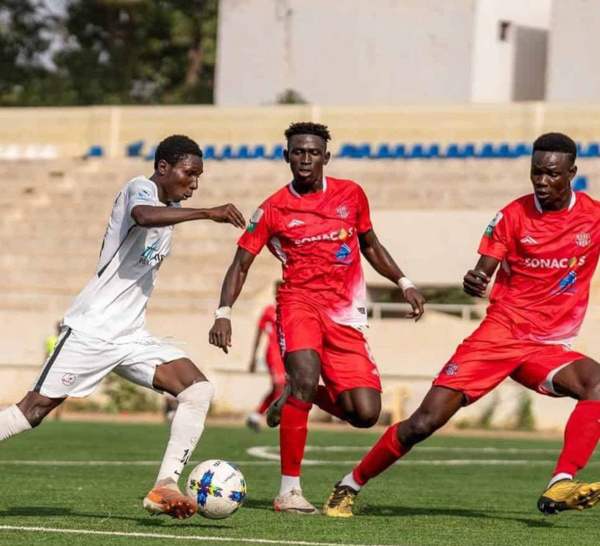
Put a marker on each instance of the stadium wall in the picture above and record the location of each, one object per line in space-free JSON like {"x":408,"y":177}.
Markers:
{"x":74,"y":130}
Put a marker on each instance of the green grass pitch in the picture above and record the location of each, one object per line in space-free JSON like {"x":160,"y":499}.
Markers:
{"x":419,"y":502}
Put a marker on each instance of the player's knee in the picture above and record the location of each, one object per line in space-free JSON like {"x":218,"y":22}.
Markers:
{"x":591,"y":391}
{"x":419,"y":427}
{"x":304,"y":388}
{"x":198,"y":394}
{"x":364,"y":420}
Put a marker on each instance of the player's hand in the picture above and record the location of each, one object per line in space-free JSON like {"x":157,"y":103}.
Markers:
{"x":220,"y":334}
{"x":475,"y":283}
{"x":417,"y":302}
{"x":227,"y":214}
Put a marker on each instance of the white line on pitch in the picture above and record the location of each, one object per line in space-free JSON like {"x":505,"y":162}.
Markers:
{"x":172,"y":537}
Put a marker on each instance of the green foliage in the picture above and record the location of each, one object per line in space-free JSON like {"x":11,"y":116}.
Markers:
{"x":485,"y":418}
{"x":524,"y":416}
{"x":113,"y":52}
{"x":125,"y":396}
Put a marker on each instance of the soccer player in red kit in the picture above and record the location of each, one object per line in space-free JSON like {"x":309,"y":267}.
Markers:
{"x":317,"y":226}
{"x":547,"y":245}
{"x":267,"y":326}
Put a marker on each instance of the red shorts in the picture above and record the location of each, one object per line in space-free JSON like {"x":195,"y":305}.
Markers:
{"x":346,"y":360}
{"x":275,"y":364}
{"x":491,"y":354}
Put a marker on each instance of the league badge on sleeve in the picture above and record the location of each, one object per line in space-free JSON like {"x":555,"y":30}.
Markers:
{"x":254,"y":220}
{"x":490,"y":229}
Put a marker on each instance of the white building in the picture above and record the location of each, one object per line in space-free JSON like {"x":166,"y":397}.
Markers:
{"x":339,"y":52}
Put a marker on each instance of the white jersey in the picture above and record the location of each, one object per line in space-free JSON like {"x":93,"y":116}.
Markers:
{"x":113,"y":304}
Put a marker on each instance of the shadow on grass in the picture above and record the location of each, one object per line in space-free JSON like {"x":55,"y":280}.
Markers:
{"x":145,"y":521}
{"x":404,"y":511}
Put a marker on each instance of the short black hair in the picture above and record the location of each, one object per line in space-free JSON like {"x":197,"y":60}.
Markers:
{"x":174,"y":148}
{"x":556,"y":142}
{"x":308,"y":128}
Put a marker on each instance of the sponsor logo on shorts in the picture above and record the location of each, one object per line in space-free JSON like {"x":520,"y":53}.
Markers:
{"x":490,"y":229}
{"x":258,"y":213}
{"x":583,"y":239}
{"x":337,"y":235}
{"x":68,"y":379}
{"x":451,"y":368}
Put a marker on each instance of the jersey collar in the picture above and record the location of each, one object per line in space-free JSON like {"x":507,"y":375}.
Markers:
{"x":539,"y":207}
{"x":294,"y":192}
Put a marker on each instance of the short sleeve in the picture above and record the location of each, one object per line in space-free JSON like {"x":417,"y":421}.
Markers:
{"x":363,"y":217}
{"x":259,"y":230}
{"x":496,"y":238}
{"x":140,"y":192}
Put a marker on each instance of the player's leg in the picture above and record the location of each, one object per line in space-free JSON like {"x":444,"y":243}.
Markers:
{"x":438,"y":406}
{"x":361,"y":406}
{"x":183,"y":380}
{"x":303,"y":368}
{"x":36,"y":405}
{"x":579,"y":379}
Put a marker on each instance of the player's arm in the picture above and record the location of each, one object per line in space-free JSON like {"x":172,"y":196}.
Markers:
{"x":378,"y":256}
{"x":476,"y":280}
{"x":220,"y":333}
{"x":149,"y":216}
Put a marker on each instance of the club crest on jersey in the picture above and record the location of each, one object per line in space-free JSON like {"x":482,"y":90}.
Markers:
{"x":343,"y":212}
{"x":254,"y":220}
{"x":583,"y":239}
{"x":490,"y":229}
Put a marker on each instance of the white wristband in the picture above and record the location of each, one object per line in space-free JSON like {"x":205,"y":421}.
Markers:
{"x":223,"y":312}
{"x":405,"y":283}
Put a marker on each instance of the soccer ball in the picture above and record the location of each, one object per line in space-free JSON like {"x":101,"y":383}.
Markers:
{"x":218,"y":487}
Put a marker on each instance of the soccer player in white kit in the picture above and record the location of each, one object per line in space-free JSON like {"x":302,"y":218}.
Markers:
{"x":103,"y":330}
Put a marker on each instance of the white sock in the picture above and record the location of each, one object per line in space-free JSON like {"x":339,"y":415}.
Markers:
{"x":288,"y":483}
{"x":12,"y":421}
{"x":348,"y":479}
{"x":558,"y":477}
{"x":186,"y":429}
{"x":255,"y":417}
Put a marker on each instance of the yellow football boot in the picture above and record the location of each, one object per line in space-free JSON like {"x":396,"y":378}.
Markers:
{"x":340,"y":502}
{"x":569,"y":495}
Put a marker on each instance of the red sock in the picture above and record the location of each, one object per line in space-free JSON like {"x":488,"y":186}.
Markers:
{"x":324,"y":401}
{"x":581,"y":436}
{"x":382,"y":455}
{"x":264,"y":405}
{"x":292,"y":435}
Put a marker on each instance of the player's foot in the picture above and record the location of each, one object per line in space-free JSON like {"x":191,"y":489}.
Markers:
{"x":167,"y":499}
{"x":253,"y":424}
{"x":274,"y":411}
{"x":293,"y":502}
{"x":569,"y":495}
{"x":340,"y":502}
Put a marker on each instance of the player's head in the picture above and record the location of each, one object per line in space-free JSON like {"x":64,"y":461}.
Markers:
{"x":307,"y":151}
{"x":552,"y":170}
{"x":177,"y":166}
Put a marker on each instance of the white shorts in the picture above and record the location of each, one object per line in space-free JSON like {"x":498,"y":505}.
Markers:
{"x":80,"y":361}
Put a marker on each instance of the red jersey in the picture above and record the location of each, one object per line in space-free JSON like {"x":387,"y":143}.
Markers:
{"x":542,"y":287}
{"x":315,"y":236}
{"x":268,"y":324}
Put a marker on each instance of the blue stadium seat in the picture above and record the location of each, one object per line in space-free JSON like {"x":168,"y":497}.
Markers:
{"x":454,"y":151}
{"x":384,"y":151}
{"x":277,"y":152}
{"x":347,"y":150}
{"x":400,"y":151}
{"x":363,"y":151}
{"x":134,"y":149}
{"x":503,"y":151}
{"x":243,"y":152}
{"x":259,"y":152}
{"x":95,"y":151}
{"x":209,"y":152}
{"x":469,"y":150}
{"x":226,"y":152}
{"x":522,"y":149}
{"x":580,"y":183}
{"x":591,"y":150}
{"x":487,"y":151}
{"x":417,"y":151}
{"x":150,"y":155}
{"x":433,"y":151}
